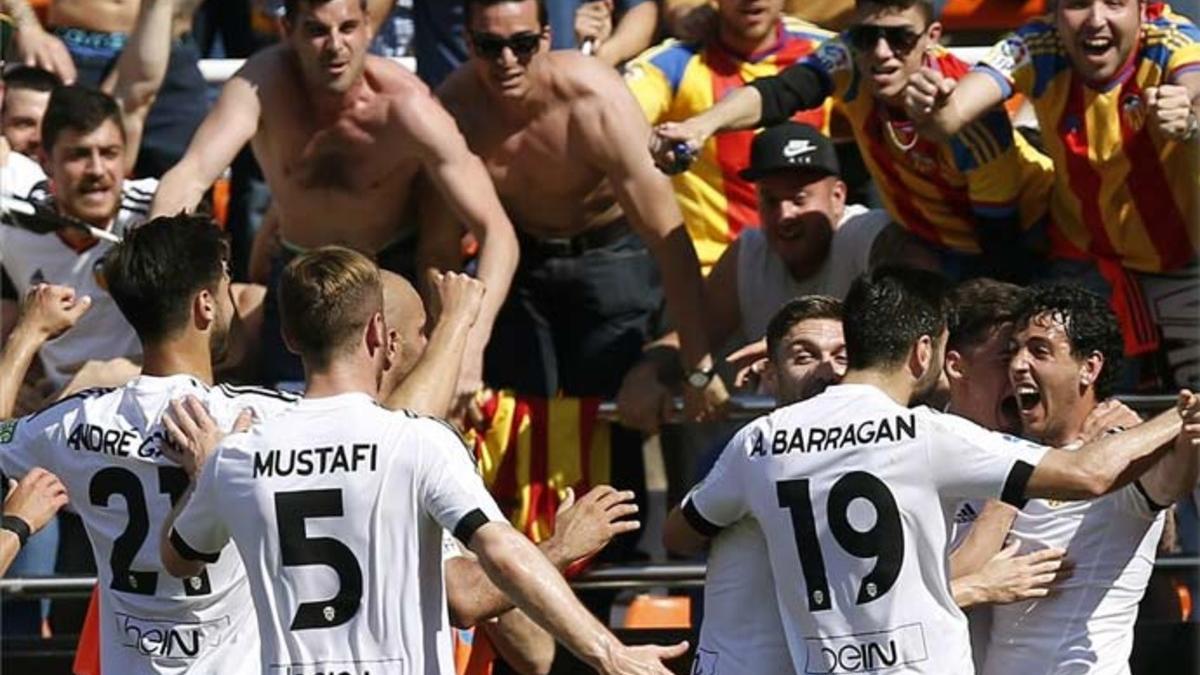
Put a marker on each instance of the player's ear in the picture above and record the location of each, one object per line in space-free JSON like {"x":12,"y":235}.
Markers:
{"x":204,"y":309}
{"x":377,"y":335}
{"x":954,"y":365}
{"x":920,"y":357}
{"x":1090,"y":369}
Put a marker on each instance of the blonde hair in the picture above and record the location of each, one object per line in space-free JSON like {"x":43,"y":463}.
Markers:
{"x":326,"y":298}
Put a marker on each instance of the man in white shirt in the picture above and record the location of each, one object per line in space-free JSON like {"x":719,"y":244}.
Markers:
{"x":741,"y":631}
{"x":854,"y":490}
{"x":1068,"y":358}
{"x":108,"y":446}
{"x":90,"y":141}
{"x":810,"y":243}
{"x":343,"y":485}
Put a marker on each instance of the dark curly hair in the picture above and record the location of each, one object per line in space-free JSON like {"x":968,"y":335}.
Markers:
{"x":1089,"y":322}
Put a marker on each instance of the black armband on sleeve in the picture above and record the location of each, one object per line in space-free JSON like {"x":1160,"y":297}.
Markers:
{"x":468,"y":525}
{"x":1014,"y":488}
{"x":798,"y":87}
{"x":698,"y":522}
{"x":188,"y":553}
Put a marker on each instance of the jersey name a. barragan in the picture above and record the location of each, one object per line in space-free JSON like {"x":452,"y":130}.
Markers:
{"x":854,"y":494}
{"x":338,"y":508}
{"x":106,"y":446}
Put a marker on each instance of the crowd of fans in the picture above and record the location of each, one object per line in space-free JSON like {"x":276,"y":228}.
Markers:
{"x":532,"y":148}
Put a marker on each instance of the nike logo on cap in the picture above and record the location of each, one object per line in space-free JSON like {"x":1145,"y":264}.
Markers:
{"x":797,"y":147}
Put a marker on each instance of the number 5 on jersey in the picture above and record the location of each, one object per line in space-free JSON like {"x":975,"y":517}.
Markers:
{"x":883,"y":541}
{"x":296,"y":548}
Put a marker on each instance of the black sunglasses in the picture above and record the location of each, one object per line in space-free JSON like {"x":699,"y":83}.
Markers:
{"x":491,"y":46}
{"x":901,"y":39}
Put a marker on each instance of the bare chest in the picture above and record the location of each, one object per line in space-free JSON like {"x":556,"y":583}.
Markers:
{"x":542,"y":162}
{"x":353,"y":155}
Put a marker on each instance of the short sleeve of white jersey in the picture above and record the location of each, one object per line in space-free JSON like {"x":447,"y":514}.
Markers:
{"x":25,"y":441}
{"x":719,"y":501}
{"x":450,"y":489}
{"x":199,"y":533}
{"x":970,"y":462}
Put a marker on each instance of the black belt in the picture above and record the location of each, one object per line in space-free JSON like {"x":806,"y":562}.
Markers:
{"x":566,"y":247}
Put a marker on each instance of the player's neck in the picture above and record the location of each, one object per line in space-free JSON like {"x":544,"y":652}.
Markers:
{"x":747,"y":47}
{"x":897,"y":384}
{"x":184,"y":356}
{"x":1070,"y":429}
{"x":340,"y":377}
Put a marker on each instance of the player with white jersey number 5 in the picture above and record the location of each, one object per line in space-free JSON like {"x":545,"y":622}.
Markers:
{"x":854,"y":489}
{"x":338,"y":507}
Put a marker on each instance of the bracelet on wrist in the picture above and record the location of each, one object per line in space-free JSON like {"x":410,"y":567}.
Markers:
{"x":17,"y":526}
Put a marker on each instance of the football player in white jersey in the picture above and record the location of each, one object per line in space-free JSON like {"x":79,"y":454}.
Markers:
{"x":854,"y":490}
{"x":741,"y":631}
{"x":338,"y":506}
{"x":107,"y":446}
{"x":1068,"y":358}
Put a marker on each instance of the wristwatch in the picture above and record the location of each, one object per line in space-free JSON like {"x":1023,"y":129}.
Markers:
{"x":699,"y":378}
{"x":17,"y":526}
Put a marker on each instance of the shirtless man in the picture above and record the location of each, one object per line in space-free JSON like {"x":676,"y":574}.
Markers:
{"x":86,"y":38}
{"x":597,"y":223}
{"x":342,"y":136}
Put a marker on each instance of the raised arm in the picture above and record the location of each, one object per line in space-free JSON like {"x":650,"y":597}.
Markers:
{"x":35,"y":46}
{"x":942,"y":107}
{"x":763,"y":102}
{"x":140,"y":71}
{"x":614,"y":130}
{"x":430,"y":388}
{"x":48,"y":311}
{"x":231,"y":123}
{"x":632,"y":34}
{"x":467,"y":191}
{"x":1115,"y":460}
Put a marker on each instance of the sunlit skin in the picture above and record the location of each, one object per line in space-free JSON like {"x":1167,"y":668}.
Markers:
{"x":330,"y":42}
{"x":1100,"y":36}
{"x":885,"y":71}
{"x":980,"y":388}
{"x":225,"y":311}
{"x":810,"y":357}
{"x":799,"y":211}
{"x":21,"y":120}
{"x":87,"y":170}
{"x":507,"y":76}
{"x":748,"y":26}
{"x":1054,"y":389}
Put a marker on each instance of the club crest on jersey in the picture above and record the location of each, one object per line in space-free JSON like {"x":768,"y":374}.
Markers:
{"x":98,"y":274}
{"x":1133,"y":111}
{"x":8,"y":431}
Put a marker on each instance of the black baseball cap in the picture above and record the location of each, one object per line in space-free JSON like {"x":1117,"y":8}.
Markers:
{"x":791,"y":145}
